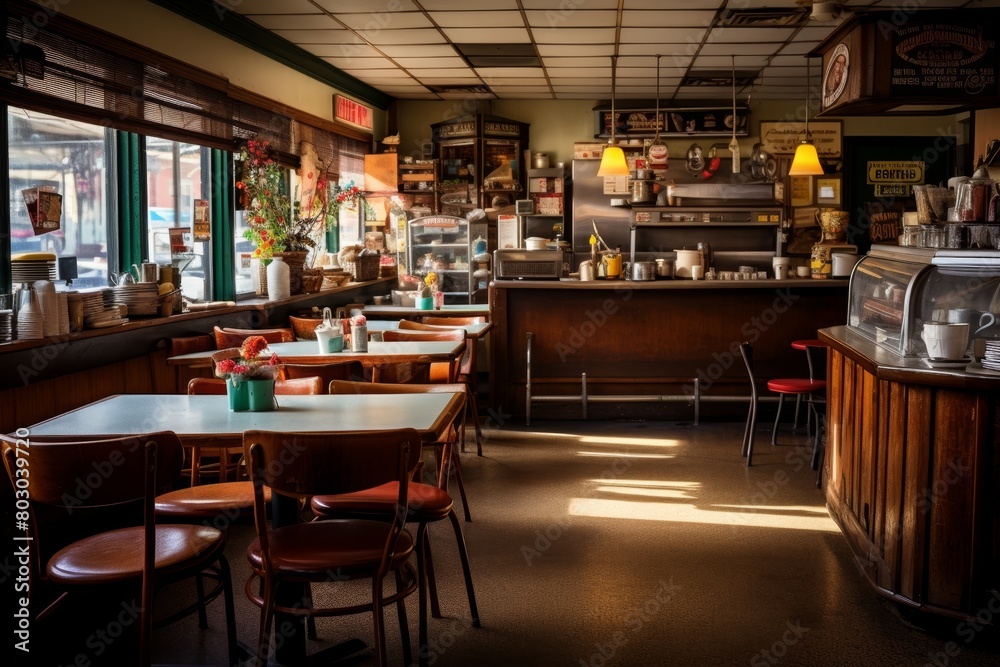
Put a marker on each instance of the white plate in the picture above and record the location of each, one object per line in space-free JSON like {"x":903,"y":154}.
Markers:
{"x":977,"y":369}
{"x":109,"y":323}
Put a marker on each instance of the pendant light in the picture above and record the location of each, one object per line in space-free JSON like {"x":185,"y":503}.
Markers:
{"x":806,"y":160}
{"x":613,"y":158}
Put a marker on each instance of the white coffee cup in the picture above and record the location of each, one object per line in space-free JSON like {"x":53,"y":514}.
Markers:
{"x":696,"y":272}
{"x":781,"y":271}
{"x":946,"y":340}
{"x":802,"y":271}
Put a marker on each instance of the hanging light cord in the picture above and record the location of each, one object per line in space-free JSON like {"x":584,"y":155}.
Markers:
{"x":614,"y":63}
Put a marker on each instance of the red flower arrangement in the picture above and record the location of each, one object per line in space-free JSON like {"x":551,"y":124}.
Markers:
{"x":243,"y":363}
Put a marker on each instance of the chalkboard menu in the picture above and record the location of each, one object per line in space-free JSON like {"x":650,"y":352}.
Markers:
{"x":945,"y":58}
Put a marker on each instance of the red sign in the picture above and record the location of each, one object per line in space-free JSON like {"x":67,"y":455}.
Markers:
{"x":352,"y":113}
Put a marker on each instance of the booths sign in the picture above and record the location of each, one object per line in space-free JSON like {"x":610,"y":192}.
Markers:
{"x":896,"y":172}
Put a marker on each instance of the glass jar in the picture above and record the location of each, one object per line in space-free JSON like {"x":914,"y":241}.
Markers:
{"x":953,"y":236}
{"x":934,"y":236}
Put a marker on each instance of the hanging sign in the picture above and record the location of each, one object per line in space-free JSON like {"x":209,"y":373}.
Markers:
{"x":352,"y":113}
{"x":44,"y":206}
{"x":781,"y":137}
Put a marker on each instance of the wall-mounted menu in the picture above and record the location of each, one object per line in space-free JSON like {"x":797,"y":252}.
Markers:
{"x":944,"y":58}
{"x":711,"y":121}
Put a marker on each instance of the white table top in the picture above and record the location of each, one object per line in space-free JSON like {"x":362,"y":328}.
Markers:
{"x":307,"y":352}
{"x":199,"y":417}
{"x":448,"y":310}
{"x":477,"y":330}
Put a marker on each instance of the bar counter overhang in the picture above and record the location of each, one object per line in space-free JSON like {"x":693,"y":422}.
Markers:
{"x":643,"y":339}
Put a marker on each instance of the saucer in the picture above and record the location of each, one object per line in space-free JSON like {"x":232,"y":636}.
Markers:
{"x":977,"y":368}
{"x":947,"y":363}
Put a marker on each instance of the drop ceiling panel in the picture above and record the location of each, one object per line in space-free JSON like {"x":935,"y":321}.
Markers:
{"x":583,"y":61}
{"x":581,"y":18}
{"x":404,"y":36}
{"x":725,"y":62}
{"x":714,"y":49}
{"x":270,"y":7}
{"x":450,"y":72}
{"x":438,"y":5}
{"x":342,"y":7}
{"x":487,"y":35}
{"x":326,"y":36}
{"x":751,"y":35}
{"x":663,"y":35}
{"x":411,"y":63}
{"x":561,"y":5}
{"x":568,"y":50}
{"x":511,"y":72}
{"x":342,"y":51}
{"x":669,"y":51}
{"x":294,"y":21}
{"x":417,"y":50}
{"x":667,"y":19}
{"x":396,"y":20}
{"x":578,"y":36}
{"x":477,"y":19}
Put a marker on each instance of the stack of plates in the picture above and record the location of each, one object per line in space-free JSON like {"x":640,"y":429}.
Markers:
{"x":49,"y":302}
{"x":106,"y":318}
{"x":27,"y":267}
{"x":991,"y":358}
{"x":93,"y":304}
{"x":141,"y":298}
{"x":6,"y":326}
{"x":29,"y":320}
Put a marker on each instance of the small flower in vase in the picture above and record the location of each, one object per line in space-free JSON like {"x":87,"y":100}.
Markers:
{"x":245,"y":362}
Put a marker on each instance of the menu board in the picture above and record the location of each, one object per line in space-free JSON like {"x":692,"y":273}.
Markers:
{"x":943,"y":58}
{"x":672,"y":122}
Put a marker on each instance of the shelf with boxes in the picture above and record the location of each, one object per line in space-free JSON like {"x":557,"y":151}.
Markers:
{"x":418,"y":184}
{"x":547,"y":189}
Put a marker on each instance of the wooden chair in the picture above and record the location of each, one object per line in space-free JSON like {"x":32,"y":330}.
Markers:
{"x":428,"y":503}
{"x":145,"y":556}
{"x":439,"y":371}
{"x":226,"y":338}
{"x":336,"y":462}
{"x":467,"y":371}
{"x":341,"y":370}
{"x":453,"y":321}
{"x":217,"y":387}
{"x":782,"y":387}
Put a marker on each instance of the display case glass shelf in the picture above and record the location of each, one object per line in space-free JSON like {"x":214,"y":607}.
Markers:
{"x":896,"y":290}
{"x":445,"y":244}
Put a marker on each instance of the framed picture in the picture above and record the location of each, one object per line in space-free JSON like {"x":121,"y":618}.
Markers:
{"x":828,"y":190}
{"x":800,"y":191}
{"x":781,"y":137}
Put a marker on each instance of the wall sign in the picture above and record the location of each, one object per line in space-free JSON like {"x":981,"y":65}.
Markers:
{"x":896,"y":172}
{"x":780,"y":137}
{"x":943,"y":59}
{"x":712,"y":121}
{"x":352,"y":113}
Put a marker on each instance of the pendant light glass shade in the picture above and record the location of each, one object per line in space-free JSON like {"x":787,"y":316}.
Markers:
{"x":806,"y":161}
{"x":613,"y":158}
{"x":613,"y":162}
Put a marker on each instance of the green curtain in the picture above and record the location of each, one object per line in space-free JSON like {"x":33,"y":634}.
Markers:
{"x":223,"y":224}
{"x":131,"y":193}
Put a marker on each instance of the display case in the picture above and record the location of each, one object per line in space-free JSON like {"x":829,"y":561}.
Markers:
{"x":418,"y":184}
{"x":896,"y":290}
{"x":449,"y":246}
{"x":480,"y":162}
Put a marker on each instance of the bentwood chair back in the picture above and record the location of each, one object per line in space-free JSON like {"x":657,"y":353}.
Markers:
{"x":468,"y":371}
{"x":453,"y":321}
{"x":439,"y":372}
{"x":428,"y":504}
{"x":226,"y":338}
{"x":341,"y":370}
{"x":144,"y":556}
{"x":334,"y":462}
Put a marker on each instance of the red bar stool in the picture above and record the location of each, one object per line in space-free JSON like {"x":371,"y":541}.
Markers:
{"x":807,"y":345}
{"x":780,"y":386}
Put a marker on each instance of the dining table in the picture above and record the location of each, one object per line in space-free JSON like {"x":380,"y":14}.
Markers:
{"x":379,"y":352}
{"x":200,"y":418}
{"x":477,"y":330}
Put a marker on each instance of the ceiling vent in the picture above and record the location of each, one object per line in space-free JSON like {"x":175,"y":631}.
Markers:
{"x":764,"y":17}
{"x":476,"y":89}
{"x":499,"y":55}
{"x":720,"y":78}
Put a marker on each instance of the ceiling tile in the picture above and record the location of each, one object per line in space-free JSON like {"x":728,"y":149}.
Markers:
{"x":567,"y":50}
{"x":270,"y":7}
{"x":519,"y":89}
{"x":582,"y":61}
{"x":663,"y":35}
{"x":576,"y":36}
{"x":510,"y":72}
{"x":678,"y":4}
{"x":668,"y":62}
{"x":342,"y":50}
{"x":478,"y":19}
{"x":725,"y":62}
{"x":562,"y":7}
{"x":294,"y":21}
{"x":487,"y":35}
{"x":798,"y":48}
{"x":668,"y":19}
{"x":411,"y":63}
{"x":438,"y":5}
{"x":713,"y":49}
{"x":424,"y":74}
{"x":416,"y":50}
{"x":817,"y":34}
{"x":581,"y":18}
{"x":369,"y":22}
{"x":527,"y":96}
{"x":562,"y":72}
{"x":668,"y":51}
{"x":749,"y":35}
{"x":340,"y":7}
{"x":405,"y":36}
{"x":789,"y":61}
{"x":361,"y":63}
{"x":327,"y":36}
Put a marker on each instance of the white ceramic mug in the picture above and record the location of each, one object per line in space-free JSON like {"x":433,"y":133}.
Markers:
{"x":802,"y":271}
{"x":696,"y":272}
{"x":945,"y":340}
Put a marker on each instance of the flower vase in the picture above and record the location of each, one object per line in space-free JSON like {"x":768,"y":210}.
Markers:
{"x":277,"y":280}
{"x":296,"y":262}
{"x":260,"y":395}
{"x":239,"y":396}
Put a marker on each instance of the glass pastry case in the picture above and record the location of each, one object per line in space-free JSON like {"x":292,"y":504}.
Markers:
{"x":896,"y":290}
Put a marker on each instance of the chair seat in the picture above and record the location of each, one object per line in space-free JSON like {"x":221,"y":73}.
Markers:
{"x":208,"y":500}
{"x":315,"y":549}
{"x":101,"y":558}
{"x":806,"y":343}
{"x":426,"y":502}
{"x":796,"y":385}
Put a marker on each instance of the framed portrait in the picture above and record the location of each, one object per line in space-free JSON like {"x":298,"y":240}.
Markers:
{"x":800,"y":191}
{"x":828,"y":190}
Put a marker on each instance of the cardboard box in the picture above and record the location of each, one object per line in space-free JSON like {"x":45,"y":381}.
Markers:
{"x":588,"y":150}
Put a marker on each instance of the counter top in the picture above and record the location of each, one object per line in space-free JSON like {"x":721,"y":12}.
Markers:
{"x":671,"y":284}
{"x":886,"y":365}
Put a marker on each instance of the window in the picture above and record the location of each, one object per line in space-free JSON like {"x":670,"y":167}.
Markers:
{"x":71,"y":157}
{"x":177,"y":183}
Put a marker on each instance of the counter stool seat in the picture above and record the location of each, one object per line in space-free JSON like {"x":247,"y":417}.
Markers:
{"x":796,"y":385}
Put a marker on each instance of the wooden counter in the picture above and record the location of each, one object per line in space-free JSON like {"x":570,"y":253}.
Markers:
{"x":913,"y":476}
{"x":635,"y":338}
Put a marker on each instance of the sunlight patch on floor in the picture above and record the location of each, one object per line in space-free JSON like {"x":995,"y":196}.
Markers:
{"x":686,"y":513}
{"x":639,"y":442}
{"x":649,"y":483}
{"x":650,"y":493}
{"x":625,"y":455}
